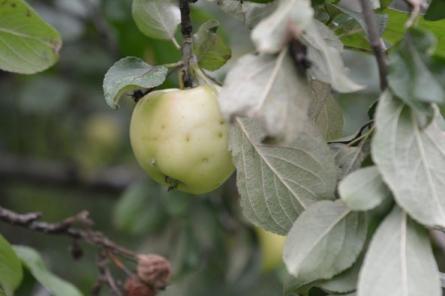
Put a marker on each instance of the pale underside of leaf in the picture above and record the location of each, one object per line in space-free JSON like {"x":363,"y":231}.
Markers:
{"x":399,"y":261}
{"x":345,"y":282}
{"x":268,"y":88}
{"x":324,"y":241}
{"x":278,"y":182}
{"x":411,"y":160}
{"x":363,"y":189}
{"x":324,"y":52}
{"x":272,"y":33}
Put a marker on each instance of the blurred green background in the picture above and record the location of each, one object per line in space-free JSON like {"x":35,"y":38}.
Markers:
{"x":63,"y":150}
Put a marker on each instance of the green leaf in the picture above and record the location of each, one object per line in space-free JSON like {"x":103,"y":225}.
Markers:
{"x":278,"y":183}
{"x":10,"y":268}
{"x":324,"y":52}
{"x":364,"y":189}
{"x":267,"y":87}
{"x":128,"y":75}
{"x":325,"y":111}
{"x":410,"y":76}
{"x":399,"y":261}
{"x":156,"y":18}
{"x":209,"y":47}
{"x":325,"y":240}
{"x":27,"y":43}
{"x":140,"y":210}
{"x":34,"y":263}
{"x":272,"y":33}
{"x":410,"y":159}
{"x":436,"y":10}
{"x":395,"y":29}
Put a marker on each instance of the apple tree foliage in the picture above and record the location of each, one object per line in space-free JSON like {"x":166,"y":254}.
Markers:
{"x":357,"y":211}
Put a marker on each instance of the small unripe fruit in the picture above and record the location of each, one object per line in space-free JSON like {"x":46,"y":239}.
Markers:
{"x":180,"y":139}
{"x":271,"y":246}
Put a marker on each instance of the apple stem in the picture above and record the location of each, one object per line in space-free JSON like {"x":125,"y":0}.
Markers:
{"x":187,"y":44}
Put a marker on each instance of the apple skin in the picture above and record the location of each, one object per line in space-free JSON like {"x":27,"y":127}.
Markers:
{"x":179,"y":136}
{"x":271,"y":246}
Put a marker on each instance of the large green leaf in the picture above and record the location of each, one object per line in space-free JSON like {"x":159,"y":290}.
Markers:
{"x":27,"y":43}
{"x":399,"y":261}
{"x":34,"y":263}
{"x":277,"y":183}
{"x":411,"y":160}
{"x":364,"y":189}
{"x":10,"y":268}
{"x":410,"y":74}
{"x":324,"y":241}
{"x":209,"y":47}
{"x":128,"y":75}
{"x":157,"y":18}
{"x":395,"y":29}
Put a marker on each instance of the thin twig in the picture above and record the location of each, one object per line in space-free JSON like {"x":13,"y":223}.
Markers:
{"x":105,"y":275}
{"x":416,"y":7}
{"x":67,"y":228}
{"x":375,"y":41}
{"x":187,"y":43}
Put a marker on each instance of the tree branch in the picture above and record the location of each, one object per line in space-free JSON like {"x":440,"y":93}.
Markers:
{"x":66,"y":228}
{"x":375,"y":42}
{"x":20,"y":170}
{"x":155,"y":272}
{"x":187,"y":43}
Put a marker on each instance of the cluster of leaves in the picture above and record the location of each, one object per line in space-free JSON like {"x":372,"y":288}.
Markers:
{"x":290,"y":188}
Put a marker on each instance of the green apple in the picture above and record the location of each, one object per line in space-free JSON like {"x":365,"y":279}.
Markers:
{"x":180,"y":139}
{"x":271,"y":246}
